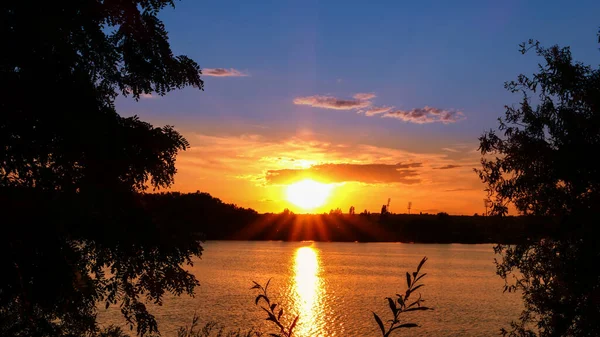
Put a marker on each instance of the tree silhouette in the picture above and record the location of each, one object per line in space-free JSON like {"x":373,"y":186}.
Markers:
{"x":384,"y":213}
{"x":543,"y":162}
{"x":337,"y":211}
{"x":75,"y":229}
{"x":384,"y":209}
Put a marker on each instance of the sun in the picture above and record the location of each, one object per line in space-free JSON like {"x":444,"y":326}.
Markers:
{"x":308,"y":194}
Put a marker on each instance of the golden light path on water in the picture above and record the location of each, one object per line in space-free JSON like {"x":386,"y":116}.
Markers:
{"x":309,"y":291}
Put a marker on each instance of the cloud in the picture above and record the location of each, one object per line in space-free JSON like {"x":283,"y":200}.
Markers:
{"x":426,"y":115}
{"x":147,"y":96}
{"x":330,"y":102}
{"x":263,"y":160}
{"x":223,"y":72}
{"x":361,"y":101}
{"x":459,"y":189}
{"x":362,"y":96}
{"x":447,"y":167}
{"x":337,"y":173}
{"x":376,"y":110}
{"x":460,"y":148}
{"x":430,"y":210}
{"x":235,"y":168}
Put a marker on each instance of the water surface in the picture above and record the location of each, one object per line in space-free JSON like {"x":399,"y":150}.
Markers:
{"x":334,"y":287}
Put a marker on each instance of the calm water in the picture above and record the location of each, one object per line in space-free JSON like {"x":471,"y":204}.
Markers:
{"x":335,"y":286}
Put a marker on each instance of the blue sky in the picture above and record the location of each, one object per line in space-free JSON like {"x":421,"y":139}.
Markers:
{"x":448,"y":55}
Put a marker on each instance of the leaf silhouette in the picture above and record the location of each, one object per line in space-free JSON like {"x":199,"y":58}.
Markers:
{"x":379,"y":322}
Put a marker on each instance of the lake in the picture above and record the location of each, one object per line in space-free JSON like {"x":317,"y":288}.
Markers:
{"x":334,"y":287}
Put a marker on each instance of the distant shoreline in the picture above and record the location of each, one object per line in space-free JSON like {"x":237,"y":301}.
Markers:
{"x":202,"y":213}
{"x":401,"y":228}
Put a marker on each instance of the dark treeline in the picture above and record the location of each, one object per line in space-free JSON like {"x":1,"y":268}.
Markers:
{"x":200,"y":212}
{"x":217,"y":220}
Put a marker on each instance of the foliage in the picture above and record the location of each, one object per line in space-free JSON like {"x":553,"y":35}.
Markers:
{"x":274,"y":311}
{"x":543,"y":163}
{"x":198,"y":212}
{"x":337,"y":211}
{"x":403,"y":304}
{"x":75,"y":228}
{"x":287,"y":212}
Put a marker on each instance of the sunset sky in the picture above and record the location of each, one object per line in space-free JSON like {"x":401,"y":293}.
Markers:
{"x":378,"y":99}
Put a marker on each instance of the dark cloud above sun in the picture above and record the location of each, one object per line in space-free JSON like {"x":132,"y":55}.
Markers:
{"x":405,"y":173}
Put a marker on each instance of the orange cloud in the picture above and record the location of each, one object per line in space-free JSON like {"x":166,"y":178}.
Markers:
{"x":376,"y":110}
{"x":364,"y":96}
{"x":447,"y":167}
{"x":147,"y":96}
{"x":223,"y":72}
{"x":459,"y":190}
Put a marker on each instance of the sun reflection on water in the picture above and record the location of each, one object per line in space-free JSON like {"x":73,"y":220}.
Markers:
{"x":309,"y":291}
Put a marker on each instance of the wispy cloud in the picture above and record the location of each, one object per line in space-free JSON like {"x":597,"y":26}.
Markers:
{"x":426,"y":115}
{"x":336,"y":173}
{"x":364,"y":96}
{"x":260,"y":154}
{"x":460,"y":148}
{"x":447,"y":167}
{"x":362,"y":101}
{"x":430,"y":210}
{"x":223,"y":72}
{"x":330,"y":102}
{"x":376,"y":110}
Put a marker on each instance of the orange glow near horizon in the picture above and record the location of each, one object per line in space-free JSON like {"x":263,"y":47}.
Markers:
{"x":315,"y":176}
{"x":308,"y":194}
